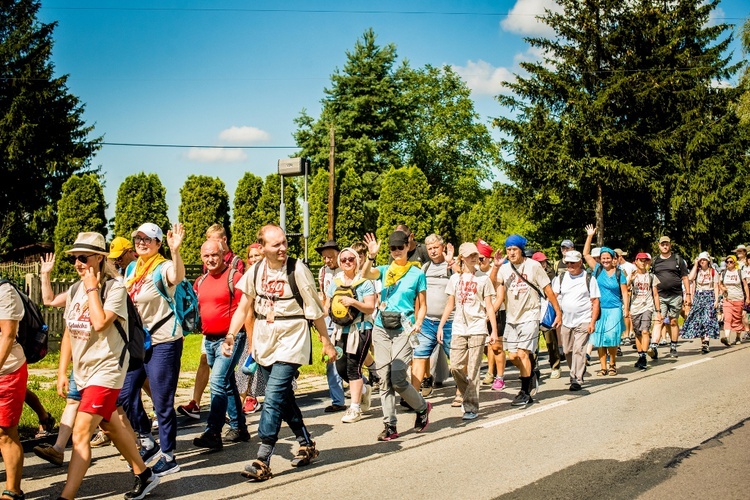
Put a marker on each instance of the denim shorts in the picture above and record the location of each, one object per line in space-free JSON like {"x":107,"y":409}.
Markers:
{"x":428,"y":338}
{"x":73,"y":392}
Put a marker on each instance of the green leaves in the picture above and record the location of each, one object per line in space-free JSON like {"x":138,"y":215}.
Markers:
{"x":141,"y":198}
{"x":203,"y":202}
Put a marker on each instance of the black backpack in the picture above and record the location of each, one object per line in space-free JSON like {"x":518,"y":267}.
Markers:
{"x":33,"y":334}
{"x":137,"y":339}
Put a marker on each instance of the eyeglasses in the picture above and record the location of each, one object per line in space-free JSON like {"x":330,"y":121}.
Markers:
{"x":138,"y":239}
{"x":83,"y":259}
{"x":397,"y":247}
{"x":571,"y":263}
{"x":346,"y":260}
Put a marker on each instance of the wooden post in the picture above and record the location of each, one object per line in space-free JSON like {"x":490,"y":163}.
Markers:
{"x":331,"y":174}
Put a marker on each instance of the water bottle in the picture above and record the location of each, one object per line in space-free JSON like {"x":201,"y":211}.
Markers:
{"x":250,"y":365}
{"x":409,"y":330}
{"x":339,"y":353}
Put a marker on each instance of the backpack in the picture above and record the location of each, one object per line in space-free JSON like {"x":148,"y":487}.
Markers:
{"x":339,"y":313}
{"x":137,"y":339}
{"x":33,"y":334}
{"x":588,"y":282}
{"x":427,"y":265}
{"x":291,"y":265}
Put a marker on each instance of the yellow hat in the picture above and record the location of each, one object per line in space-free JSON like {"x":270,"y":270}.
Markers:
{"x":118,"y":246}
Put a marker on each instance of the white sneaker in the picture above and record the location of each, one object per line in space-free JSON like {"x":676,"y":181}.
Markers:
{"x":366,"y":398}
{"x":555,"y":374}
{"x":351,"y":416}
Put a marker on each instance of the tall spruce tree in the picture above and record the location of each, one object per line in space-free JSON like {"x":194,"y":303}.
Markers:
{"x":43,"y":137}
{"x":605,"y":124}
{"x":203,"y":202}
{"x":246,"y":198}
{"x":140,"y":198}
{"x":80,"y":209}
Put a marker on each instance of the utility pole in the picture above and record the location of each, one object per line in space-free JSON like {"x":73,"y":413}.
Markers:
{"x":331,"y":174}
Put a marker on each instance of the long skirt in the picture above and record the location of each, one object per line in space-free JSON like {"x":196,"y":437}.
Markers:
{"x":701,"y":321}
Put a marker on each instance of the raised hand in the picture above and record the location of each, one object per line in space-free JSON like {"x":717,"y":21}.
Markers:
{"x":498,"y":256}
{"x":590,"y":230}
{"x":373,"y":245}
{"x":48,"y":263}
{"x":91,"y":278}
{"x":175,"y":236}
{"x":449,"y":252}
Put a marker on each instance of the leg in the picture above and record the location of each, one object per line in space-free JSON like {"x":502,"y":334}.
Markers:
{"x":201,"y":379}
{"x":471,"y":393}
{"x":553,"y":349}
{"x":46,"y":421}
{"x":12,"y":453}
{"x":459,"y":362}
{"x":67,"y":421}
{"x":580,"y":339}
{"x":382,"y":342}
{"x":224,"y":394}
{"x":163,"y":369}
{"x":119,"y":431}
{"x":131,"y":402}
{"x":401,"y":354}
{"x":84,"y":427}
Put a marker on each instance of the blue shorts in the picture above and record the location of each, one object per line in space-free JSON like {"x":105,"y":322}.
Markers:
{"x":428,"y":338}
{"x":73,"y":388}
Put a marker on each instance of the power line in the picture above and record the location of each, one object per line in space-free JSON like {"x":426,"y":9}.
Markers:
{"x":144,"y":145}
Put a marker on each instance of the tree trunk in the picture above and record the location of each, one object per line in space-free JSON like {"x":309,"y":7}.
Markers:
{"x":599,"y":215}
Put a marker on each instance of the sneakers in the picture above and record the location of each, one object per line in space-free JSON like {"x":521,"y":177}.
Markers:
{"x":423,"y":418}
{"x":619,"y":351}
{"x":534,"y":384}
{"x":334,"y":408}
{"x":149,"y":455}
{"x":488,"y":379}
{"x":47,"y":452}
{"x":236,"y":436}
{"x":251,"y":405}
{"x":426,"y":387}
{"x":498,"y":384}
{"x":653,"y":352}
{"x":672,"y":353}
{"x":554,"y":374}
{"x":351,"y":416}
{"x":522,"y":400}
{"x":641,"y":363}
{"x":388,"y":434}
{"x":366,"y":400}
{"x":142,"y":487}
{"x":626,"y":341}
{"x":725,"y":341}
{"x":164,"y":467}
{"x":704,"y":348}
{"x":209,"y":440}
{"x":101,"y":439}
{"x":575,"y":386}
{"x":190,"y":410}
{"x":469,"y":415}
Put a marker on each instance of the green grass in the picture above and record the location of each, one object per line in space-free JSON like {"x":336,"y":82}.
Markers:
{"x":46,"y":390}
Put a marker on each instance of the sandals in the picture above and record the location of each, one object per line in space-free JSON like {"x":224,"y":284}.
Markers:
{"x":601,"y":373}
{"x":258,"y":470}
{"x":48,"y":424}
{"x":14,"y":496}
{"x":612,"y":370}
{"x":305,"y":455}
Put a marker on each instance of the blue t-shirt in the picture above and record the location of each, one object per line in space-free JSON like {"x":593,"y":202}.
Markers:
{"x":611,"y":295}
{"x":362,"y":290}
{"x":401,"y":296}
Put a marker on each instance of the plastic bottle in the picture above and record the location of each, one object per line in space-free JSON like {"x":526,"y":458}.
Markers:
{"x":250,"y":365}
{"x":408,"y":327}
{"x":339,"y":353}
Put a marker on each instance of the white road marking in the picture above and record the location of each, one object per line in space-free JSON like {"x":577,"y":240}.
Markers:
{"x":692,"y":363}
{"x":525,"y":413}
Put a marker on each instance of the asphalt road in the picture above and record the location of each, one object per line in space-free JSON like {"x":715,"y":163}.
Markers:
{"x":676,"y":431}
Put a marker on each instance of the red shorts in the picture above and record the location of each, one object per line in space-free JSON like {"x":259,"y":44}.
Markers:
{"x":12,"y":395}
{"x":99,"y":401}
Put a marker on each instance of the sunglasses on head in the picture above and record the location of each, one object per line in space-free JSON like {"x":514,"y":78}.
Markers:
{"x":145,"y":239}
{"x":397,"y":247}
{"x":83,"y":259}
{"x":347,"y":259}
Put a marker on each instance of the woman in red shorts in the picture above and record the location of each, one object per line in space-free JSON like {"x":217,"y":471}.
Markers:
{"x":96,"y":347}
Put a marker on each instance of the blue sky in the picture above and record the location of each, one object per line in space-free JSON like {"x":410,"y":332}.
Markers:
{"x":237,"y":73}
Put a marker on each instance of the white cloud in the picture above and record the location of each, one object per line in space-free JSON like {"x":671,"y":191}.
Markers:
{"x":244,"y":135}
{"x":522,"y":18}
{"x":215,"y":155}
{"x":717,"y":16}
{"x":483,"y":78}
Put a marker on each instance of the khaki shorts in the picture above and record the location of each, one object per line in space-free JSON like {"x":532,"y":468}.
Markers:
{"x":521,"y":336}
{"x":670,"y":306}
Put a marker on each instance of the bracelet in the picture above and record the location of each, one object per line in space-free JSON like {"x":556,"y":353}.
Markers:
{"x":94,"y":289}
{"x":371,"y":258}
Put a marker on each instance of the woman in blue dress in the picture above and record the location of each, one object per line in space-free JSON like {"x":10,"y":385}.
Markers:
{"x":614,"y":302}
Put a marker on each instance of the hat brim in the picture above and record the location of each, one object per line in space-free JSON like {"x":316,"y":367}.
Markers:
{"x":116,"y":254}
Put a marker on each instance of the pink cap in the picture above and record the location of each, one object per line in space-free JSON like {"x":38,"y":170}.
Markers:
{"x":643,"y":256}
{"x":539,"y":257}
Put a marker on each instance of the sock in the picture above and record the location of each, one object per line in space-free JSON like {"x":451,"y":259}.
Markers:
{"x":525,"y":384}
{"x":641,"y":354}
{"x":264,"y":453}
{"x":364,"y":388}
{"x":356,"y":407}
{"x":146,"y":441}
{"x":498,"y":377}
{"x":145,"y":474}
{"x":673,"y":345}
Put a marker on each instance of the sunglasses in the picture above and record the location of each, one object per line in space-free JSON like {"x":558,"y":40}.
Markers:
{"x":397,"y":247}
{"x":147,"y":240}
{"x":83,"y":259}
{"x":346,"y":260}
{"x":482,"y":259}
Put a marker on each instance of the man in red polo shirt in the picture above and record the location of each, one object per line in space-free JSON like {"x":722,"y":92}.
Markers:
{"x":217,"y":301}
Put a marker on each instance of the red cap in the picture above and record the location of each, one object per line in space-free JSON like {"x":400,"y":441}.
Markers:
{"x":539,"y":257}
{"x":643,"y":256}
{"x":484,"y":248}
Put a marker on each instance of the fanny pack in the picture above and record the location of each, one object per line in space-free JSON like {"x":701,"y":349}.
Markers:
{"x":391,"y":320}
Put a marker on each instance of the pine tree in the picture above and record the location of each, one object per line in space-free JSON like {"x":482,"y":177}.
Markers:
{"x":141,"y":198}
{"x":246,"y":198}
{"x":80,"y":209}
{"x":43,"y":138}
{"x":203,"y":202}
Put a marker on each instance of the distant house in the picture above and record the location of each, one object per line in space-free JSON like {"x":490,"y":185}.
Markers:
{"x":30,"y":253}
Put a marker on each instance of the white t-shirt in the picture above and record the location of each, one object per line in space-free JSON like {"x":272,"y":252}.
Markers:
{"x":11,"y":308}
{"x":704,"y":280}
{"x":470,"y":314}
{"x":575,"y":297}
{"x":96,"y":355}
{"x":153,"y":307}
{"x":522,"y":302}
{"x":642,"y":295}
{"x":628,"y":268}
{"x":734,"y":285}
{"x":438,"y":276}
{"x":286,"y":340}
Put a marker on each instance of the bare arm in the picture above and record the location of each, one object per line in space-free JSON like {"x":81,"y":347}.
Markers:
{"x":100,"y":319}
{"x":595,"y":308}
{"x":493,"y":320}
{"x":176,"y":273}
{"x":590,"y":261}
{"x":420,"y":310}
{"x":62,"y":366}
{"x":8,"y":331}
{"x":625,"y":300}
{"x":373,"y":247}
{"x":694,"y":271}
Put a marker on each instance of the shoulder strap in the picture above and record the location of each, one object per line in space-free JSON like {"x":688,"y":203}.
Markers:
{"x":75,"y":287}
{"x":291,"y":265}
{"x":525,"y":280}
{"x":426,"y":266}
{"x":230,"y":283}
{"x":588,"y":282}
{"x":200,"y":281}
{"x":105,"y":290}
{"x":235,"y":262}
{"x":160,"y":286}
{"x":598,"y":271}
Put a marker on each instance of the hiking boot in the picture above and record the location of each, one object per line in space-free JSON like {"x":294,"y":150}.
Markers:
{"x":704,"y":348}
{"x":305,"y":455}
{"x":423,"y":418}
{"x":351,"y":416}
{"x":426,"y":387}
{"x":522,"y":400}
{"x":389,"y":433}
{"x":209,"y":440}
{"x":47,"y":452}
{"x":236,"y":435}
{"x":190,"y":410}
{"x":142,"y":487}
{"x":101,"y":439}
